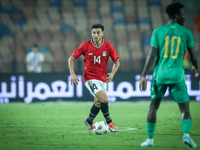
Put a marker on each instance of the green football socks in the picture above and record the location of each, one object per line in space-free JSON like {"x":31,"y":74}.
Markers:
{"x":186,"y":126}
{"x":151,"y":129}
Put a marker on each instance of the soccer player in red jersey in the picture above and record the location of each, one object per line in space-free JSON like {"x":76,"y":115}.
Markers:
{"x":96,"y":53}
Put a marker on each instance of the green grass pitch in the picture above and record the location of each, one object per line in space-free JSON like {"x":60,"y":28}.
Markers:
{"x":60,"y":125}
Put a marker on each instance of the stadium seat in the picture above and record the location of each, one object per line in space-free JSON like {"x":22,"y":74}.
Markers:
{"x":6,"y":68}
{"x":56,"y":4}
{"x":131,"y":27}
{"x":130,"y":17}
{"x":63,"y":25}
{"x":146,"y":40}
{"x":91,"y":13}
{"x":20,"y":56}
{"x":8,"y":40}
{"x":120,"y":21}
{"x":66,"y":27}
{"x":20,"y":22}
{"x":117,"y":3}
{"x":146,"y":50}
{"x":5,"y":19}
{"x":108,"y":23}
{"x":142,"y":12}
{"x":18,"y":4}
{"x":80,"y":3}
{"x":67,"y":3}
{"x":45,"y":49}
{"x":4,"y":30}
{"x":29,"y":16}
{"x":15,"y":30}
{"x":21,"y":67}
{"x":125,"y":65}
{"x":154,"y":3}
{"x":59,"y":66}
{"x":68,"y":18}
{"x":116,"y":9}
{"x":30,"y":3}
{"x":4,"y":51}
{"x":2,"y":10}
{"x":48,"y":57}
{"x":123,"y":52}
{"x":46,"y":67}
{"x":14,"y":10}
{"x":104,"y":8}
{"x":59,"y":56}
{"x":136,"y":65}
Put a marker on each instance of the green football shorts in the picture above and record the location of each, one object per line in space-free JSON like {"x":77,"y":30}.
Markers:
{"x":177,"y":90}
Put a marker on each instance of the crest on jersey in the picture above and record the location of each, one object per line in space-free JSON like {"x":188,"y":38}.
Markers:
{"x":104,"y":53}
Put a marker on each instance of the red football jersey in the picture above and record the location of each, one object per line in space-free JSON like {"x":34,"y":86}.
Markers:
{"x":95,"y":59}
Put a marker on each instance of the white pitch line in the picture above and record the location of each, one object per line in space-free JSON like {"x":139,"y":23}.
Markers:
{"x":54,"y":126}
{"x":41,"y":126}
{"x":121,"y":129}
{"x":65,"y":133}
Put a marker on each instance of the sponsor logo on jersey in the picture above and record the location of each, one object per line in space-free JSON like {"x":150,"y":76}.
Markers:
{"x":104,"y":53}
{"x":90,"y":53}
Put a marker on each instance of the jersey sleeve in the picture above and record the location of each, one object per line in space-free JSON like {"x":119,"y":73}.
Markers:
{"x":190,"y":41}
{"x":113,"y":54}
{"x":154,"y":42}
{"x":78,"y":52}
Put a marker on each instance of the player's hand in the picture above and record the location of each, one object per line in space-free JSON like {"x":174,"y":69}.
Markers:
{"x":196,"y":71}
{"x":143,"y":83}
{"x":74,"y":79}
{"x":109,"y":78}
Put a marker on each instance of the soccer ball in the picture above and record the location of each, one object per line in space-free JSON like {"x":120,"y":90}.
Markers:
{"x":101,"y":127}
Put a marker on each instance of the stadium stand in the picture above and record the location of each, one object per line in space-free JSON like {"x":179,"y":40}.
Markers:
{"x":60,"y":26}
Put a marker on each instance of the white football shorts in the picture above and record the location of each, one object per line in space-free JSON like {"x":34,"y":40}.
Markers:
{"x":95,"y":86}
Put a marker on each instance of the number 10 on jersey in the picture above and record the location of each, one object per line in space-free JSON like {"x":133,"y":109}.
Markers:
{"x":97,"y":59}
{"x":172,"y":46}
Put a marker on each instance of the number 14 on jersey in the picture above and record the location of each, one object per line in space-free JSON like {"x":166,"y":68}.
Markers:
{"x":97,"y":59}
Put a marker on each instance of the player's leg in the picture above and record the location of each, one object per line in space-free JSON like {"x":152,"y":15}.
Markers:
{"x":186,"y":124}
{"x":151,"y":122}
{"x":103,"y":98}
{"x":151,"y":118}
{"x":98,"y":89}
{"x":93,"y":111}
{"x":95,"y":107}
{"x":180,"y":95}
{"x":157,"y":93}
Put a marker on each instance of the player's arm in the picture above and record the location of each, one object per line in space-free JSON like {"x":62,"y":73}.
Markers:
{"x":77,"y":53}
{"x":114,"y":70}
{"x":149,"y":61}
{"x":74,"y":79}
{"x":194,"y":61}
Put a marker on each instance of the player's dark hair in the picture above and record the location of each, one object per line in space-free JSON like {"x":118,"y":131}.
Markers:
{"x":94,"y":26}
{"x":174,"y":9}
{"x":35,"y":46}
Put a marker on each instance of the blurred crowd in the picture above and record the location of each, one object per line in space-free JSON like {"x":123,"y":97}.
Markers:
{"x":57,"y":27}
